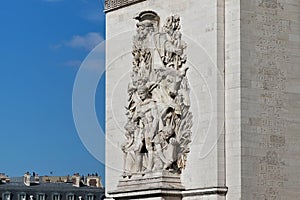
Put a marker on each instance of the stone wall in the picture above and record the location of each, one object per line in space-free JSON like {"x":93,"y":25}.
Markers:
{"x":233,"y":99}
{"x":203,"y":31}
{"x":244,"y":53}
{"x":262,"y":99}
{"x":270,"y":80}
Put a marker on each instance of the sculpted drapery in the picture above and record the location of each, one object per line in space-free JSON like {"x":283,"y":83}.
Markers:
{"x":158,"y":129}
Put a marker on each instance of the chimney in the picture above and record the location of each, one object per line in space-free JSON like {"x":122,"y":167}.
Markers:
{"x":4,"y":178}
{"x":76,"y":179}
{"x":94,"y":181}
{"x":27,"y":179}
{"x":36,"y":179}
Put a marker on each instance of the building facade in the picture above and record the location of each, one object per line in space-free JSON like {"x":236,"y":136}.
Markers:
{"x":243,"y":77}
{"x":51,"y":188}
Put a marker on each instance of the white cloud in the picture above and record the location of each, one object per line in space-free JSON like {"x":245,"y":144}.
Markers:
{"x":88,"y":41}
{"x":56,"y":46}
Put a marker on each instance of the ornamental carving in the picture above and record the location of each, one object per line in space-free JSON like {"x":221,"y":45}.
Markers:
{"x":159,"y":121}
{"x":116,"y":4}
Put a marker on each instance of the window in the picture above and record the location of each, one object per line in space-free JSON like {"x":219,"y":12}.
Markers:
{"x":70,"y":196}
{"x":22,"y":196}
{"x":93,"y":182}
{"x":6,"y":196}
{"x":55,"y":196}
{"x":90,"y":197}
{"x":40,"y":196}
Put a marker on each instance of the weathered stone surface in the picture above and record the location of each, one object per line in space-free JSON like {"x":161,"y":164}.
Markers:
{"x":255,"y":45}
{"x":155,"y":180}
{"x":205,"y":61}
{"x":159,"y":121}
{"x":262,"y":89}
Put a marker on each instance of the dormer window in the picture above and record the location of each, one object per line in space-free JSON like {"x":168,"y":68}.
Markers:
{"x":6,"y":196}
{"x":22,"y":196}
{"x":93,"y":182}
{"x":40,"y":196}
{"x":55,"y":196}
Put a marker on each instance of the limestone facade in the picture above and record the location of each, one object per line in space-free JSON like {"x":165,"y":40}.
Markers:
{"x":262,"y":62}
{"x":243,"y":59}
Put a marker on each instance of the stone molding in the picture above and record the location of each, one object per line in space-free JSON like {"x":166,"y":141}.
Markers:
{"x":111,"y":5}
{"x":173,"y":193}
{"x":151,"y":181}
{"x":205,"y":191}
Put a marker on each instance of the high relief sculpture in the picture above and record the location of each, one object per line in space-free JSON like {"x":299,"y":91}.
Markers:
{"x":158,"y":130}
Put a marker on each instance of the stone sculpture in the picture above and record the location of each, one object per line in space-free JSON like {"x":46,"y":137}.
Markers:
{"x":158,"y":130}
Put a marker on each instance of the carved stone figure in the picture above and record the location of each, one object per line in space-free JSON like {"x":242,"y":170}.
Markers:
{"x":132,"y":149}
{"x":158,"y":131}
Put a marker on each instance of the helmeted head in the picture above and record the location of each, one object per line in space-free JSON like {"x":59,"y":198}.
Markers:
{"x":142,"y":92}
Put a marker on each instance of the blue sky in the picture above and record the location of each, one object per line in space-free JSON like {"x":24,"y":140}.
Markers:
{"x":43,"y":43}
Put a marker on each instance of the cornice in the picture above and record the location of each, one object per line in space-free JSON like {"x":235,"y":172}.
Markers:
{"x":111,"y":5}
